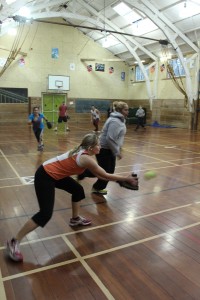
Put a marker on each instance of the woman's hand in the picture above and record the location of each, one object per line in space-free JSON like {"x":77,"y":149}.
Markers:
{"x":132,"y":180}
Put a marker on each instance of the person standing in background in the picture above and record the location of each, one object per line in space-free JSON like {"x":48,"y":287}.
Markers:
{"x":95,"y":118}
{"x":140,"y":114}
{"x":62,"y":116}
{"x":111,"y":141}
{"x":36,"y":119}
{"x":109,"y":110}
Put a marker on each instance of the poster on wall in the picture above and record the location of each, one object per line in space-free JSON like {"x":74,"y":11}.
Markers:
{"x":100,"y":67}
{"x":72,"y":66}
{"x":111,"y":70}
{"x":89,"y":68}
{"x":122,"y":76}
{"x":54,"y":53}
{"x":21,"y":62}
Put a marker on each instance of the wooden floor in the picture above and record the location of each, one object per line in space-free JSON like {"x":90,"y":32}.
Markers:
{"x":142,"y":245}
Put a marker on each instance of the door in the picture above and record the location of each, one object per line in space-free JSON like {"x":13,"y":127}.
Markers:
{"x":50,"y":105}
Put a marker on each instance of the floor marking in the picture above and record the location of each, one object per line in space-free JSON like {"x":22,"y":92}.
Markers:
{"x":10,"y":164}
{"x":140,"y":241}
{"x":28,"y":179}
{"x":2,"y":290}
{"x":89,"y":270}
{"x":105,"y":225}
{"x":97,"y":253}
{"x":39,"y":269}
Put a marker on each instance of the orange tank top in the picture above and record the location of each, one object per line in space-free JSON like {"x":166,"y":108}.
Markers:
{"x":64,"y":166}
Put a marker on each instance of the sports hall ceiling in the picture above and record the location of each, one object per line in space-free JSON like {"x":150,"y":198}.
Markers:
{"x":147,"y":31}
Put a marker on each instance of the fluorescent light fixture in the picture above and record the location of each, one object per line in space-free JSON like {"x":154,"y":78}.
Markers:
{"x":122,"y":9}
{"x":136,"y":62}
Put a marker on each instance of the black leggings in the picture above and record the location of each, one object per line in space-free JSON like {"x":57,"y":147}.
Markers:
{"x":107,"y":161}
{"x":37,"y":133}
{"x":45,"y":190}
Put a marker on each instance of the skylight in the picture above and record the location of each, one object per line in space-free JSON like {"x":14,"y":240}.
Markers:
{"x":122,"y":9}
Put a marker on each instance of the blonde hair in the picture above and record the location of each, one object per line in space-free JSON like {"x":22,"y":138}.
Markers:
{"x":90,"y":140}
{"x":120,"y":105}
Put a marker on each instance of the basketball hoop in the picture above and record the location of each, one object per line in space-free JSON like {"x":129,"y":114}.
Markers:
{"x":59,"y":85}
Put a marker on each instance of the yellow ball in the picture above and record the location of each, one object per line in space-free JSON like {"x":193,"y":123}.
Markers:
{"x":150,"y":175}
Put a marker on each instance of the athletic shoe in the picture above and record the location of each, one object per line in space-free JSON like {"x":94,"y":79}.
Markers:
{"x":100,"y":192}
{"x":13,"y":250}
{"x":79,"y":221}
{"x":40,"y":147}
{"x":55,"y":129}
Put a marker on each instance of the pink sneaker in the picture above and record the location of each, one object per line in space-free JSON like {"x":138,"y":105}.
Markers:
{"x":79,"y":221}
{"x":13,"y":250}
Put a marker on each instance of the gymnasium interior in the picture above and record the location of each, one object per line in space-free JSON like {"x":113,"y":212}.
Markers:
{"x":142,"y":244}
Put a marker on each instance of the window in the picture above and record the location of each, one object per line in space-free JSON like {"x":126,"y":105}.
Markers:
{"x":139,"y":76}
{"x":177,"y":67}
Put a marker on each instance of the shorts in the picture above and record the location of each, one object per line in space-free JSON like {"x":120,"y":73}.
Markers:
{"x":62,"y":119}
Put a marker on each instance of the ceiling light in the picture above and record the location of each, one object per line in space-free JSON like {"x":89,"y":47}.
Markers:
{"x":122,"y":9}
{"x":136,"y":62}
{"x":24,"y":12}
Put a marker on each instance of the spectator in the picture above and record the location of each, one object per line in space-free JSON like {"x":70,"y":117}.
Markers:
{"x":140,"y":114}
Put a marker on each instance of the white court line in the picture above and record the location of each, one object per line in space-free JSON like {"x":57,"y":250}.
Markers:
{"x":16,"y":173}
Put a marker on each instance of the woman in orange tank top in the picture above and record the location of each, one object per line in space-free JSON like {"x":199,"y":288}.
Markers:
{"x":56,"y":173}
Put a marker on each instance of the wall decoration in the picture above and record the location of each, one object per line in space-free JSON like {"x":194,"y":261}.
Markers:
{"x":122,"y":76}
{"x":152,"y":69}
{"x":89,"y":68}
{"x":100,"y":67}
{"x":21,"y":62}
{"x":162,"y":67}
{"x":54,"y":53}
{"x":111,"y":70}
{"x":72,"y":67}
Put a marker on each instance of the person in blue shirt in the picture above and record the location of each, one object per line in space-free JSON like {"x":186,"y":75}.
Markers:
{"x":36,"y":119}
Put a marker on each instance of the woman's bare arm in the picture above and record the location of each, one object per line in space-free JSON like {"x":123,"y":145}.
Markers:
{"x":89,"y":163}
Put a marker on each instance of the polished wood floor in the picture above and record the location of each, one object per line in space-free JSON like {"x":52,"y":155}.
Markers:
{"x":142,"y":245}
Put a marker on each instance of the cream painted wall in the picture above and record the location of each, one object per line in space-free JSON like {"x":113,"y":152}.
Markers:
{"x":73,"y":46}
